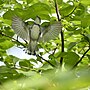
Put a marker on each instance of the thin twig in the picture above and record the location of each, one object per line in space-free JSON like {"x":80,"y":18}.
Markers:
{"x":83,"y":54}
{"x":62,"y":34}
{"x":62,"y":40}
{"x":12,"y":38}
{"x":54,"y":51}
{"x":80,"y":59}
{"x":46,"y":60}
{"x":57,"y":11}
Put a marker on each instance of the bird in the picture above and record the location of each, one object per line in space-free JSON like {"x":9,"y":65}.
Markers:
{"x":35,"y":33}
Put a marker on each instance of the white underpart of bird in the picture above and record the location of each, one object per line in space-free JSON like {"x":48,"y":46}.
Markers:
{"x":34,"y":33}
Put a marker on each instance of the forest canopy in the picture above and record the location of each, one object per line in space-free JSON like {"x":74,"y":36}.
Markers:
{"x":68,"y":62}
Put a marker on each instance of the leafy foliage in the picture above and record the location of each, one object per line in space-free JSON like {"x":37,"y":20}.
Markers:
{"x":67,"y":65}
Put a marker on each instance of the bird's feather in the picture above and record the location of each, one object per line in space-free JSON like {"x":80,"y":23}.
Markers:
{"x":20,"y":28}
{"x":51,"y":32}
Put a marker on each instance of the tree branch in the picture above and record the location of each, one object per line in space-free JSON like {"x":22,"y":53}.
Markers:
{"x":83,"y":54}
{"x":57,"y":11}
{"x":12,"y":38}
{"x":62,"y":34}
{"x":62,"y":40}
{"x":80,"y":59}
{"x":46,"y":60}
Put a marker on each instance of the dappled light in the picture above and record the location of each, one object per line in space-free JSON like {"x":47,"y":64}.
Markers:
{"x":44,"y":44}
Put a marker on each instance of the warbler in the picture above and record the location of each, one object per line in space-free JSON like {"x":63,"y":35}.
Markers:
{"x":35,"y":33}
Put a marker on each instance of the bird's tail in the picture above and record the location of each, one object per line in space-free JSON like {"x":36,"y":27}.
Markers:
{"x":32,"y":47}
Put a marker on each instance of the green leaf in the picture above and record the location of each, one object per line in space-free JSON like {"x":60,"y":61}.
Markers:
{"x":29,"y":1}
{"x":33,"y":60}
{"x":71,"y":28}
{"x":46,"y":66}
{"x":88,"y":56}
{"x":85,"y":2}
{"x":9,"y":59}
{"x":70,"y":58}
{"x":85,"y":21}
{"x":66,"y":9}
{"x":80,"y":10}
{"x":60,"y":2}
{"x":2,"y":39}
{"x":12,"y":59}
{"x":1,"y":58}
{"x":76,"y":32}
{"x":45,"y":24}
{"x":6,"y":22}
{"x":1,"y":2}
{"x":87,"y":37}
{"x":56,"y":55}
{"x":25,"y":64}
{"x":71,"y":45}
{"x":39,"y":59}
{"x":8,"y":31}
{"x":4,"y":69}
{"x":2,"y":52}
{"x":17,"y":11}
{"x":39,"y":9}
{"x":18,"y":5}
{"x":51,"y":56}
{"x":8,"y":14}
{"x":6,"y":44}
{"x":53,"y":60}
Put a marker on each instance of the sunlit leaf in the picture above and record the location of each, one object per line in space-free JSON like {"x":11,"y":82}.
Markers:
{"x":6,"y":44}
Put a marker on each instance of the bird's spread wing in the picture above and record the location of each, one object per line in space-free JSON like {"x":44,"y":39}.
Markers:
{"x":51,"y":32}
{"x":20,"y":28}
